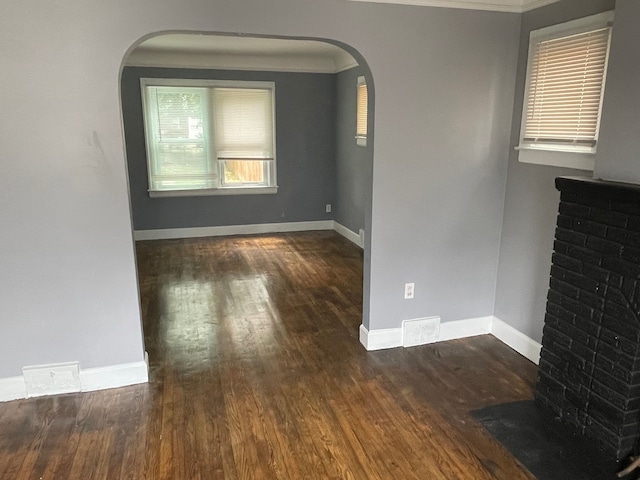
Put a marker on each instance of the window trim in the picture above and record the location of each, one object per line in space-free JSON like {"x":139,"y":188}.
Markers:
{"x":221,"y":189}
{"x":578,"y":157}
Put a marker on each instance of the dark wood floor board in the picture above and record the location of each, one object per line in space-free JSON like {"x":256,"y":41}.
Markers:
{"x":256,"y":372}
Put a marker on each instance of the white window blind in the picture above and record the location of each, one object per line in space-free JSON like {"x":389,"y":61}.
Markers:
{"x":243,"y":123}
{"x":565,"y":90}
{"x":361,"y":111}
{"x":178,"y":142}
{"x":213,"y":135}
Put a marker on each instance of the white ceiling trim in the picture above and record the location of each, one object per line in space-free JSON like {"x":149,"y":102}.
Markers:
{"x":250,"y":62}
{"x":516,"y":6}
{"x":240,"y":53}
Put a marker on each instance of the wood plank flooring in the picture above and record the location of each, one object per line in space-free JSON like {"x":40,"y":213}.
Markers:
{"x":257,"y":373}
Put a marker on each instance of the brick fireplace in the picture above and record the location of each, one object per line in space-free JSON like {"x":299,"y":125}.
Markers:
{"x":589,"y":375}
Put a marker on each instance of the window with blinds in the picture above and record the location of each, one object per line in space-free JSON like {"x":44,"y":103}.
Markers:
{"x":565,"y":85}
{"x":209,"y":136}
{"x":361,"y":112}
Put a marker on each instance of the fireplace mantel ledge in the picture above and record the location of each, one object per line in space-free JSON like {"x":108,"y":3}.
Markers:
{"x":612,"y":190}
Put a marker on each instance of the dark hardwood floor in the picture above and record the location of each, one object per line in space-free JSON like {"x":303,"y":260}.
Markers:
{"x":257,"y":373}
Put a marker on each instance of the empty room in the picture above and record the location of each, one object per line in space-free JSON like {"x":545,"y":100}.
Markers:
{"x":319,"y":239}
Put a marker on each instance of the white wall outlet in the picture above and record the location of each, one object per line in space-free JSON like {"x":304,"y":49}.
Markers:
{"x":420,"y":331}
{"x":409,"y":290}
{"x":327,"y":208}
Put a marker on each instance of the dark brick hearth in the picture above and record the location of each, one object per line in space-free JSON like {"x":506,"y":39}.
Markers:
{"x":589,"y":375}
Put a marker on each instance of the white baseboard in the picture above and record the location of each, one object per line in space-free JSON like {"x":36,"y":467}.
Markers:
{"x":464,"y":328}
{"x":517,"y":340}
{"x":381,"y":338}
{"x":348,"y":234}
{"x":12,"y":388}
{"x":393,"y":337}
{"x":170,"y":233}
{"x":113,"y":376}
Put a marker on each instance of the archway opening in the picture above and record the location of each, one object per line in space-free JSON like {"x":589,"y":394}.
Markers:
{"x":321,"y":171}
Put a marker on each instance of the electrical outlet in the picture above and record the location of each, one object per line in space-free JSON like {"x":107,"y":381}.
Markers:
{"x":327,"y":208}
{"x":409,"y":290}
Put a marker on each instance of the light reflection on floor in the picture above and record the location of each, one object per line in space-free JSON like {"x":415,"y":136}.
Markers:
{"x":193,"y":311}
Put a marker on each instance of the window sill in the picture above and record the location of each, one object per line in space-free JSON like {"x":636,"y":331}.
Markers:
{"x":361,"y":141}
{"x":553,"y":158}
{"x":206,"y":192}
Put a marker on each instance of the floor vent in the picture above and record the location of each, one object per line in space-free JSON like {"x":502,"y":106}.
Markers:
{"x":420,"y":331}
{"x":52,"y":379}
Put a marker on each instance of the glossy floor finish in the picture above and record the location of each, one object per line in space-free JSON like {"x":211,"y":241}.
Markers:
{"x":257,"y":373}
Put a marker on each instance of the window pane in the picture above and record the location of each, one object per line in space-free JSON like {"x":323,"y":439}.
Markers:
{"x":361,"y":114}
{"x":180,"y":114}
{"x":176,"y":126}
{"x":181,"y":159}
{"x":207,"y":134}
{"x":238,"y":172}
{"x":567,"y":75}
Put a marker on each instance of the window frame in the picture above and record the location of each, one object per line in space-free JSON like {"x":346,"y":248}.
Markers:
{"x":578,"y":157}
{"x":361,"y":137}
{"x":271,"y":186}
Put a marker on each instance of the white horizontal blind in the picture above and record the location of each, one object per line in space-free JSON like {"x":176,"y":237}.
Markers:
{"x":361,"y":110}
{"x":243,"y":123}
{"x":177,"y":138}
{"x":565,"y":91}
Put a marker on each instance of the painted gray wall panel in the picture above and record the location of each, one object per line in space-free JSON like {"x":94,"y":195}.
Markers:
{"x":305,"y":149}
{"x":353,"y":162}
{"x":444,"y":83}
{"x":531,"y":200}
{"x":440,"y":168}
{"x":618,"y":156}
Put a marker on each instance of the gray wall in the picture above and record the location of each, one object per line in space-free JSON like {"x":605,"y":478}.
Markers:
{"x":444,"y":99}
{"x":531,"y":200}
{"x":444,"y":91}
{"x":305,"y":150}
{"x":619,"y":149}
{"x":354,"y":163}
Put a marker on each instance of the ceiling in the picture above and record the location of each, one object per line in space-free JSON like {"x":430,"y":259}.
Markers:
{"x":182,"y":50}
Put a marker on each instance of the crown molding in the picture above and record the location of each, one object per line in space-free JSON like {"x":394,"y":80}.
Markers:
{"x":515,"y":6}
{"x":277,"y":63}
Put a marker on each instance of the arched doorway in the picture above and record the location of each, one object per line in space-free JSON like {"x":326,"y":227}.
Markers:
{"x":323,"y":172}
